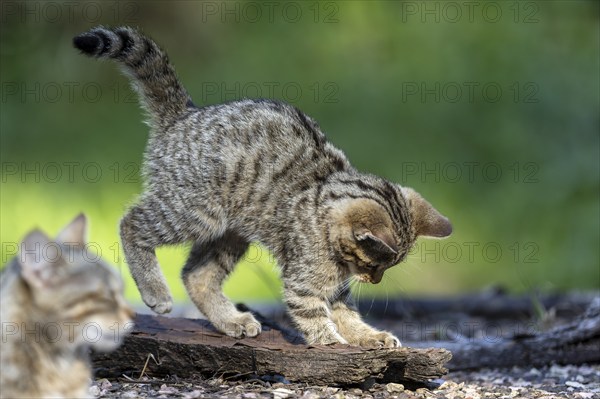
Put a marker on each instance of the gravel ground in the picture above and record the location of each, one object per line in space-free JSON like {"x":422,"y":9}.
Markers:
{"x":581,"y":382}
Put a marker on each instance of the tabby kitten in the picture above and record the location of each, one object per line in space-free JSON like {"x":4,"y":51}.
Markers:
{"x":57,"y":302}
{"x":223,"y":176}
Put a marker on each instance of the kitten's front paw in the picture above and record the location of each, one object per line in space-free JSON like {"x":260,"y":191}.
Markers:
{"x":330,"y":340}
{"x":159,"y":304}
{"x":328,"y":336}
{"x":163,"y":307}
{"x":376,"y":339}
{"x":243,"y":325}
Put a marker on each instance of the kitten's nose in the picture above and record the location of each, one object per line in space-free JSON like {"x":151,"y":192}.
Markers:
{"x":376,"y":278}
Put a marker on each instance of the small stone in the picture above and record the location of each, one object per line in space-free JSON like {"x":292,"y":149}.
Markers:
{"x":193,"y":394}
{"x":94,"y":390}
{"x":278,"y":385}
{"x":393,"y":387}
{"x":448,"y":385}
{"x":165,"y":389}
{"x":558,"y":371}
{"x":586,"y":370}
{"x":310,"y":395}
{"x":574,"y":384}
{"x":103,"y":383}
{"x":282,"y":393}
{"x":471,"y":393}
{"x":129,"y":394}
{"x":584,"y":395}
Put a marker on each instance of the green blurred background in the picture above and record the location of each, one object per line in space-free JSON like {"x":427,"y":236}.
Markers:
{"x":489,"y":109}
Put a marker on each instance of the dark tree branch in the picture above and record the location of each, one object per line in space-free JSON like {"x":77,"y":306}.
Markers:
{"x":573,"y":343}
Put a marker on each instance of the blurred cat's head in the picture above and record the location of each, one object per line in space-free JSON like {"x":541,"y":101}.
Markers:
{"x":369,"y":236}
{"x":76,"y":297}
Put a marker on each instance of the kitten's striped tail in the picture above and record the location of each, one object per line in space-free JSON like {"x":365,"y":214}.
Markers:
{"x":152,"y":75}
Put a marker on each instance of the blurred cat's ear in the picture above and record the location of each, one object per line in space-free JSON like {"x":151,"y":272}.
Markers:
{"x":380,"y":239}
{"x":372,"y":229}
{"x":37,"y":256}
{"x":427,"y":221}
{"x":75,"y":233}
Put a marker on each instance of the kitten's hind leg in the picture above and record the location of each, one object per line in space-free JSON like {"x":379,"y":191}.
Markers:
{"x":140,"y":235}
{"x":208,"y":265}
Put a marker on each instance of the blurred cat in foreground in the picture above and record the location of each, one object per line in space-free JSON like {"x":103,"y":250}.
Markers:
{"x":57,"y":301}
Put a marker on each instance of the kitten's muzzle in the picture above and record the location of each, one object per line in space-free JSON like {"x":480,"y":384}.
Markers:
{"x":372,"y":279}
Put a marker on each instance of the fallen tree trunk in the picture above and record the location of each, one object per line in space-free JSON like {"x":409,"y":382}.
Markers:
{"x":574,"y":343}
{"x":494,"y":303}
{"x":186,"y":347}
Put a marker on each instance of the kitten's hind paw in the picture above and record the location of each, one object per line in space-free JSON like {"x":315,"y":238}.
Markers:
{"x":243,"y":325}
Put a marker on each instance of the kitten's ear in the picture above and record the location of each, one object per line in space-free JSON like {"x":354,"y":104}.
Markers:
{"x":380,"y":239}
{"x":426,"y":219}
{"x":37,"y":255}
{"x":75,"y":233}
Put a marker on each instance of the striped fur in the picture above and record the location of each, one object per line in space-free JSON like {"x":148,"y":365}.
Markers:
{"x":57,"y":303}
{"x":225,"y":175}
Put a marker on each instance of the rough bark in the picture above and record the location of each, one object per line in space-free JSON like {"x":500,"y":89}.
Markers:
{"x":186,"y":347}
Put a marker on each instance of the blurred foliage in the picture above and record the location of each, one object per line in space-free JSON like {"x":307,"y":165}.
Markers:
{"x":491,"y":112}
